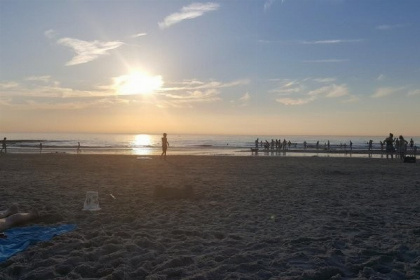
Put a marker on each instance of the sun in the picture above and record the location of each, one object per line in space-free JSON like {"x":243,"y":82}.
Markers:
{"x":137,"y":83}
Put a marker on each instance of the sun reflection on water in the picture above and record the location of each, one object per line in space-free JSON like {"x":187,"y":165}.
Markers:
{"x":142,"y":144}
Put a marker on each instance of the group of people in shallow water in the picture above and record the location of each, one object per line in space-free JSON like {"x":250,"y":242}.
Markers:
{"x":274,"y":144}
{"x":398,"y":146}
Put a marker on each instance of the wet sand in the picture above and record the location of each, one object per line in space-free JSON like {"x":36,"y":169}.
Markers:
{"x":203,"y":217}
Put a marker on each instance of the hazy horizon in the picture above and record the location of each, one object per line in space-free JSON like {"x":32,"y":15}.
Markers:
{"x":209,"y":134}
{"x":249,"y":67}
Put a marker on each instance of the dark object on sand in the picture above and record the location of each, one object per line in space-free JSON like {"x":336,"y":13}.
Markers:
{"x":410,"y":159}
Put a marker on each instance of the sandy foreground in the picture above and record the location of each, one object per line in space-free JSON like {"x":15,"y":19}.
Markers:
{"x":217,"y":217}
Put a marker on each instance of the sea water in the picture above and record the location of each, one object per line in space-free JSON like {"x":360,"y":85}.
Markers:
{"x":187,"y":144}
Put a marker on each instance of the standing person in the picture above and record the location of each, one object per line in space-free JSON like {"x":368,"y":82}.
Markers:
{"x":165,"y":145}
{"x":351,"y":146}
{"x":389,"y":142}
{"x":40,"y":147}
{"x":256,"y":143}
{"x":403,"y":147}
{"x":411,"y":143}
{"x":78,"y":148}
{"x":3,"y":146}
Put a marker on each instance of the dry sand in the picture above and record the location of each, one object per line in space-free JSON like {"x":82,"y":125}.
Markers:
{"x":245,"y":217}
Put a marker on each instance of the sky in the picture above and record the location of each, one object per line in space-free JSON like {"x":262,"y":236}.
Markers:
{"x":249,"y":67}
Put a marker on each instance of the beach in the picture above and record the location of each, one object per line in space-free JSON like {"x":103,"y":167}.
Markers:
{"x":217,"y":217}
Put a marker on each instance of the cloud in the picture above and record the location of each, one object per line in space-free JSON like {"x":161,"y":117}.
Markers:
{"x":46,"y":87}
{"x":8,"y":85}
{"x":245,"y":98}
{"x":45,"y":92}
{"x":268,"y":4}
{"x":189,"y":12}
{"x":138,"y":35}
{"x":50,"y":33}
{"x":196,"y":84}
{"x":88,"y":51}
{"x":381,"y":77}
{"x":330,"y":91}
{"x":326,"y":61}
{"x":295,"y":101}
{"x":300,"y":92}
{"x":351,"y":99}
{"x":44,"y":79}
{"x":385,"y":91}
{"x":42,"y":92}
{"x":188,"y":98}
{"x":387,"y":27}
{"x":324,"y":80}
{"x":334,"y":41}
{"x":414,"y":92}
{"x":189,"y":92}
{"x":242,"y":101}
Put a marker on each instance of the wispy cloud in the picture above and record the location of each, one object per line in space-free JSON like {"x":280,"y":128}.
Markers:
{"x":87,"y":51}
{"x":8,"y":85}
{"x":189,"y":92}
{"x":243,"y":101}
{"x":245,"y":98}
{"x":387,"y":27}
{"x":381,"y":77}
{"x":188,"y":12}
{"x":44,"y":92}
{"x":386,"y":91}
{"x":46,"y":87}
{"x":326,"y":61}
{"x":330,"y":91}
{"x":299,"y":92}
{"x":414,"y":92}
{"x":138,"y":35}
{"x":295,"y":101}
{"x":44,"y":79}
{"x":51,"y":33}
{"x":199,"y":85}
{"x":268,"y":4}
{"x":333,"y":41}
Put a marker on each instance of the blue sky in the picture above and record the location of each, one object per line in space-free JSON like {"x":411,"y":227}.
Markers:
{"x":325,"y":67}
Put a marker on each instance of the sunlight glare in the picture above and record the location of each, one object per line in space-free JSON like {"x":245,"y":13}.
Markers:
{"x":142,"y":144}
{"x":142,"y":140}
{"x":137,"y":83}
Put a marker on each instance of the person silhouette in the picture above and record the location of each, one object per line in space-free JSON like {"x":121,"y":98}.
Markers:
{"x":403,"y":147}
{"x":165,"y":145}
{"x":389,"y":142}
{"x":4,"y":146}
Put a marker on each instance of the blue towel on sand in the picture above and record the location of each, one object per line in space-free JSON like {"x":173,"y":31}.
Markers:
{"x":18,"y":239}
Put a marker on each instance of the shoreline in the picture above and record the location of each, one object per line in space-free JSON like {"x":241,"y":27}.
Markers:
{"x":241,"y":152}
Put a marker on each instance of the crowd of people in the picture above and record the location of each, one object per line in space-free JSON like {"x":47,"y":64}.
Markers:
{"x":397,"y":146}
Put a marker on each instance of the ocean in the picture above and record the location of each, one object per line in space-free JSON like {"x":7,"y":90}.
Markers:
{"x":185,"y":144}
